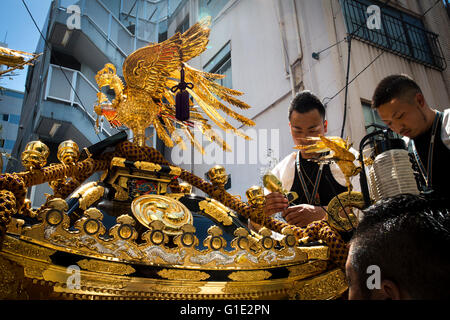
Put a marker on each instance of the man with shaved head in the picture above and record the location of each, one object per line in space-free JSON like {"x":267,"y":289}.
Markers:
{"x":403,"y":107}
{"x":400,"y":251}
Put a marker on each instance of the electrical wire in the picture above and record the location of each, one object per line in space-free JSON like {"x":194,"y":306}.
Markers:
{"x":346,"y":84}
{"x":348,"y":72}
{"x":333,"y":45}
{"x":345,"y":38}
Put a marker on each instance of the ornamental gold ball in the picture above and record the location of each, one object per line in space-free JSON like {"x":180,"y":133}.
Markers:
{"x":68,"y":152}
{"x":35,"y":155}
{"x":255,"y":196}
{"x":27,"y":204}
{"x":185,"y":188}
{"x":217,"y":175}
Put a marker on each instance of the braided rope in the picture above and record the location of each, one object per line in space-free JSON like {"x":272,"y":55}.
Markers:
{"x":16,"y":184}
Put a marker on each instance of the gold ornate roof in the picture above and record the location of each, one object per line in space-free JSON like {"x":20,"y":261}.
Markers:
{"x":133,"y":234}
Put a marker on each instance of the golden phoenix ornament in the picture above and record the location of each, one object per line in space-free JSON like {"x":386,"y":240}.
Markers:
{"x":146,"y":99}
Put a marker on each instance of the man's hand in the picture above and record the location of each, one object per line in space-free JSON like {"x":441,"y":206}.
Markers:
{"x":303,"y":214}
{"x":275,"y":202}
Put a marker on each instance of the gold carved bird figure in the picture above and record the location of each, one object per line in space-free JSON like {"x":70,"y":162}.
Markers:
{"x":339,"y":153}
{"x":146,"y":99}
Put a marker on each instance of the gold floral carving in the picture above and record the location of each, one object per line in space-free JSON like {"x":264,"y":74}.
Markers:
{"x":173,"y":274}
{"x":307,"y":269}
{"x":121,"y":194}
{"x":147,"y":166}
{"x":316,"y":253}
{"x":240,"y":291}
{"x":326,"y":286}
{"x":250,"y":275}
{"x":175,"y":171}
{"x":90,"y":196}
{"x":175,"y":289}
{"x":107,"y":267}
{"x":10,"y":279}
{"x":27,"y":250}
{"x":216,"y":212}
{"x":34,"y":270}
{"x":118,"y":162}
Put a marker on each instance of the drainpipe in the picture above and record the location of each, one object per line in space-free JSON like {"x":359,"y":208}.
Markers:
{"x":288,"y":66}
{"x":297,"y":32}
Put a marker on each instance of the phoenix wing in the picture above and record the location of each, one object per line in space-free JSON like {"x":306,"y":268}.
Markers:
{"x":154,"y":69}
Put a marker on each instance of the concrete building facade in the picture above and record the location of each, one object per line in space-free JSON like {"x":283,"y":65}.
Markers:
{"x":10,"y":109}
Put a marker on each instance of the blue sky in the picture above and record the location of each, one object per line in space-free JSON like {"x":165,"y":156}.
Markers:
{"x":20,"y":32}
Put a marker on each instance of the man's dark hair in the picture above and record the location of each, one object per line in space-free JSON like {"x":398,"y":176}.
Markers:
{"x":306,"y":101}
{"x":394,"y":86}
{"x":408,"y":238}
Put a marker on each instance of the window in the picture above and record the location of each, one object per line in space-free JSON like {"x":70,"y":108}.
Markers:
{"x":221,"y":64}
{"x":162,"y":30}
{"x":9,"y":144}
{"x":399,"y":32}
{"x":13,"y":118}
{"x":183,"y":26}
{"x":132,"y":29}
{"x":5,"y":117}
{"x":211,"y":8}
{"x":29,"y":77}
{"x":371,"y":117}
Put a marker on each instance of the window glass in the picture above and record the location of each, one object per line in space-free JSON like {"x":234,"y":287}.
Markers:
{"x":211,"y":7}
{"x":221,"y":64}
{"x":184,"y":25}
{"x":371,"y":117}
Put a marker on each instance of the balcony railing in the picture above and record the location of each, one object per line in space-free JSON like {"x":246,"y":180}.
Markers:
{"x":59,"y":89}
{"x":112,"y":29}
{"x":400,"y":33}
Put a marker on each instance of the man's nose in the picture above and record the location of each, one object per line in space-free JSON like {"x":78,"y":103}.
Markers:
{"x":396,"y":126}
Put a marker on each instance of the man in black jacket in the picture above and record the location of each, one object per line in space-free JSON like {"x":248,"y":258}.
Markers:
{"x":403,"y":107}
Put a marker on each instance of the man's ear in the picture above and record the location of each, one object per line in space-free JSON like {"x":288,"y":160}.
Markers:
{"x":325,"y":126}
{"x":420,"y":99}
{"x":389,"y":290}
